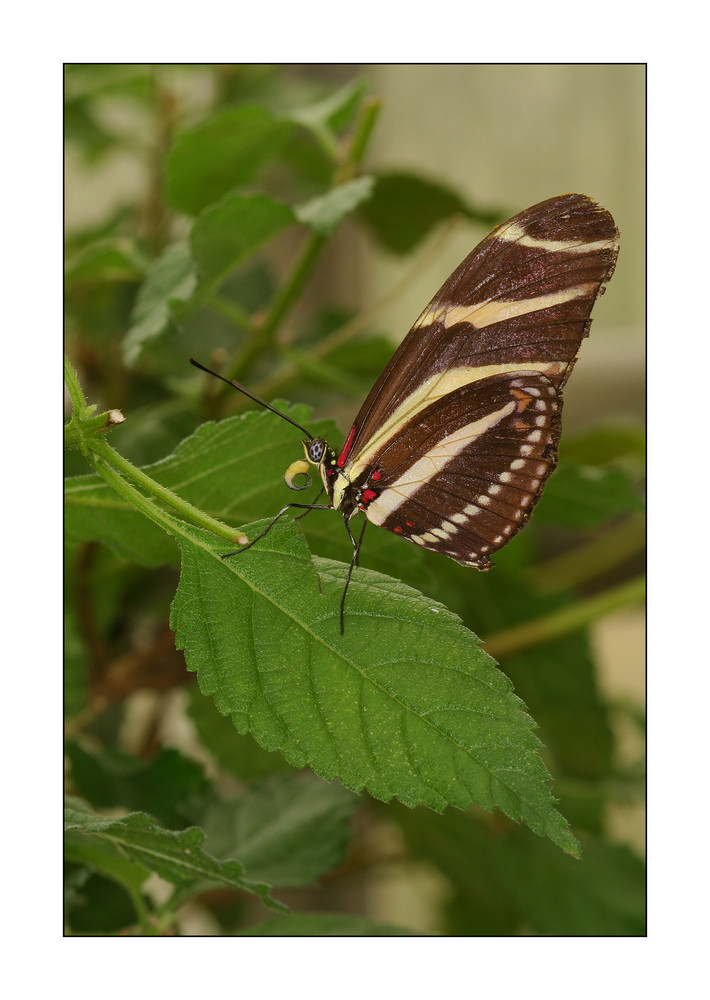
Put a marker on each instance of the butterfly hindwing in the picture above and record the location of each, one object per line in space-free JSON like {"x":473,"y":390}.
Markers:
{"x":481,"y":458}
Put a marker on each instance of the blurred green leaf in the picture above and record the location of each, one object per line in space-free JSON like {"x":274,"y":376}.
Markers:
{"x":176,"y":857}
{"x":230,"y":231}
{"x":163,"y":784}
{"x":286,"y":831}
{"x":325,"y":213}
{"x":326,"y":117}
{"x":221,"y":154}
{"x":404,"y":207}
{"x":603,"y":895}
{"x":603,"y":444}
{"x":171,"y":279}
{"x":584,"y":496}
{"x":107,"y":260}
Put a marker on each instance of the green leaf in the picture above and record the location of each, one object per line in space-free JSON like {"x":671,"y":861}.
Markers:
{"x":238,"y":754}
{"x":584,"y":496}
{"x":325,"y":213}
{"x":511,"y":881}
{"x":327,"y":116}
{"x":221,"y":154}
{"x":603,"y":895}
{"x":94,"y":512}
{"x":161,"y":785}
{"x":322,"y":925}
{"x":405,"y":704}
{"x":603,"y":444}
{"x":464,"y":848}
{"x":171,"y":279}
{"x":230,"y":231}
{"x":405,"y":207}
{"x":286,"y":831}
{"x":175,"y":856}
{"x":107,"y":260}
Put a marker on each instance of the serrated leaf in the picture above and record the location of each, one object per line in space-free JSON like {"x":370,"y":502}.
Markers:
{"x":325,"y":213}
{"x":171,"y":279}
{"x":286,"y":831}
{"x":221,"y":154}
{"x":174,"y":855}
{"x":405,"y":704}
{"x":323,"y":925}
{"x":404,"y":207}
{"x":233,"y":229}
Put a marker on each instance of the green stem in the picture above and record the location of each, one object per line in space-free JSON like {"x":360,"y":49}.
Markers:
{"x":71,"y":380}
{"x":183,"y":508}
{"x":568,"y":619}
{"x":263,"y":336}
{"x":137,"y":499}
{"x":367,"y":117}
{"x":609,"y":550}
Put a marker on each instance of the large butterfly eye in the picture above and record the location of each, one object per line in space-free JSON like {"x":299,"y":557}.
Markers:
{"x":315,"y":450}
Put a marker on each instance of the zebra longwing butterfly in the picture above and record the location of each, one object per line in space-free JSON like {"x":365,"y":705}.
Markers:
{"x":453,"y":446}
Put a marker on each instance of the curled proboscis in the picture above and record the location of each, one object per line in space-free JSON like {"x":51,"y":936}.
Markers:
{"x":299,"y":468}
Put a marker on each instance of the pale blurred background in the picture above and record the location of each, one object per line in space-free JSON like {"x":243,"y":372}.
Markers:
{"x":508,"y":137}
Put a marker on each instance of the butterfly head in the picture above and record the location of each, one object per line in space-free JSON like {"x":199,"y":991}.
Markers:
{"x":317,"y":452}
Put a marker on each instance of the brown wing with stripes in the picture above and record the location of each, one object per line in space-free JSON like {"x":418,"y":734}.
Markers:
{"x":464,"y":477}
{"x":520,"y":301}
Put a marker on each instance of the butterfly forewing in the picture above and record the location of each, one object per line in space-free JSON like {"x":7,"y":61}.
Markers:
{"x":453,"y":445}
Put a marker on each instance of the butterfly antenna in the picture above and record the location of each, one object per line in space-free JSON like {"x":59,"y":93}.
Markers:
{"x":251,"y":395}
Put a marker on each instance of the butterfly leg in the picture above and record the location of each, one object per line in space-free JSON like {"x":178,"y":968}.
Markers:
{"x":311,"y":506}
{"x":308,"y":507}
{"x":353,"y":564}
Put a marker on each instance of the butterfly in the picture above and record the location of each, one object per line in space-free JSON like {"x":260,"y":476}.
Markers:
{"x":453,"y":446}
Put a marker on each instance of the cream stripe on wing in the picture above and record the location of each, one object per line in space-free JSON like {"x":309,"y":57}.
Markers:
{"x":483,"y":314}
{"x":435,"y":460}
{"x":516,"y":234}
{"x":434,"y":388}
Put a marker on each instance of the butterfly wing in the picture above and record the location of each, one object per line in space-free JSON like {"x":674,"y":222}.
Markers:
{"x":463,"y":478}
{"x":463,"y":395}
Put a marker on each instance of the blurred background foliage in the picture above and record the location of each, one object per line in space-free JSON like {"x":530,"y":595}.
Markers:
{"x":277,"y":222}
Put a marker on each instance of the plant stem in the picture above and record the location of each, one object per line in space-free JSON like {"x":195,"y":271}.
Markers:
{"x":615,"y":546}
{"x":565,"y":620}
{"x":263,"y":336}
{"x":187,"y":512}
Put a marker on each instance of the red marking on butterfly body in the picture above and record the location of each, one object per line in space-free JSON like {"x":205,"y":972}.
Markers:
{"x":343,"y":456}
